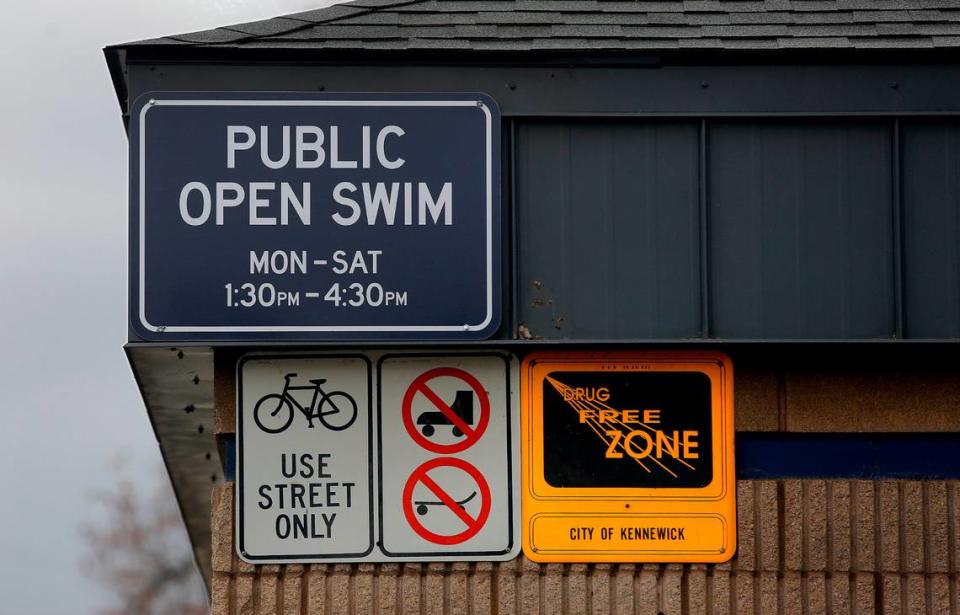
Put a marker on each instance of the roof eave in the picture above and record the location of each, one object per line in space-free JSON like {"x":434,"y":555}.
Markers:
{"x":115,"y":55}
{"x":119,"y":57}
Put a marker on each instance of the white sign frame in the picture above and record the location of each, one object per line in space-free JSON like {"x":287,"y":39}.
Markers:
{"x":377,"y":553}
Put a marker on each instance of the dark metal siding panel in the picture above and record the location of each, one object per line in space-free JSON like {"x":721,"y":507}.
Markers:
{"x":931,"y":223}
{"x":607,"y":233}
{"x":800,"y":230}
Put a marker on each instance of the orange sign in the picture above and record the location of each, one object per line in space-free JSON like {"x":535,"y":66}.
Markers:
{"x":628,"y":457}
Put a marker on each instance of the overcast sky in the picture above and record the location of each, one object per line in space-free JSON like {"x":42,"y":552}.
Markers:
{"x":68,"y":402}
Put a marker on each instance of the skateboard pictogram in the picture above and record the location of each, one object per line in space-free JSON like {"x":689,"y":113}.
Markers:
{"x":471,"y":523}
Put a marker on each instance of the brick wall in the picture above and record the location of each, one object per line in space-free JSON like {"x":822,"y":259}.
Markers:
{"x":805,"y":546}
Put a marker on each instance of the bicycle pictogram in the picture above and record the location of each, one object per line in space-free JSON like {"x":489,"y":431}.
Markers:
{"x":274,"y":412}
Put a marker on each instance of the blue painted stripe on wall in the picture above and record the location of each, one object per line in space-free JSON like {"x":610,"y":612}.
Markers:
{"x":230,"y":459}
{"x":768,"y":455}
{"x":833,"y":455}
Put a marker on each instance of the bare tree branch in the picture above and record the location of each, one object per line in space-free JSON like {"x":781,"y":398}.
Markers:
{"x":139,"y":551}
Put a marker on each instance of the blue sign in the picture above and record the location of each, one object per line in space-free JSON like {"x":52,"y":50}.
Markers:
{"x":314,"y":217}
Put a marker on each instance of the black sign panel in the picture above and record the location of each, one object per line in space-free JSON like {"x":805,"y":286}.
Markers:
{"x":627,"y":429}
{"x":314,"y":216}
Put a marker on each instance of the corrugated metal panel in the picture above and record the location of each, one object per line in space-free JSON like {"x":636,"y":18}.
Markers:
{"x":800,"y":230}
{"x":931,"y":229}
{"x":608,"y":229}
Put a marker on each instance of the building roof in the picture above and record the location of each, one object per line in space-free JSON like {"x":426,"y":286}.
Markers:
{"x":581,"y":25}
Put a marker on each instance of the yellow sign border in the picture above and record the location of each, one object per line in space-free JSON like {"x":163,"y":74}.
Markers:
{"x":542,"y":502}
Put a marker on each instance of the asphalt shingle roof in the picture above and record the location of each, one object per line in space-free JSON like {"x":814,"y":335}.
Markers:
{"x":576,"y":25}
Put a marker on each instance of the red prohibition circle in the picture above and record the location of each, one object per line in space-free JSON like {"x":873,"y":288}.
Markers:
{"x":473,"y":524}
{"x":421,"y":385}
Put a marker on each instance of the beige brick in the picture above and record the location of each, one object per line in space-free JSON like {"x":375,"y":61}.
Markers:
{"x":911,"y":520}
{"x":363,"y":598}
{"x":793,"y":524}
{"x":746,"y":526}
{"x":243,"y":594}
{"x":220,"y":593}
{"x":755,"y":398}
{"x":433,"y":589}
{"x":268,"y":603}
{"x":937,"y":541}
{"x":890,"y":594}
{"x":744,"y":592}
{"x":697,"y":589}
{"x":506,"y":583}
{"x":768,"y":594}
{"x":481,"y":584}
{"x":623,"y":600}
{"x":387,"y":581}
{"x":864,"y":593}
{"x":839,"y":594}
{"x":768,"y":531}
{"x":888,"y":525}
{"x":955,"y":593}
{"x":338,"y":584}
{"x":600,"y":589}
{"x":317,"y":589}
{"x":863,"y":528}
{"x":578,"y":595}
{"x":815,"y":525}
{"x":529,"y":586}
{"x":721,"y":595}
{"x":410,"y":589}
{"x":953,"y":501}
{"x":456,"y":601}
{"x":553,"y":586}
{"x":647,"y":590}
{"x":671,"y":590}
{"x":838,"y":543}
{"x":816,"y":592}
{"x":243,"y":567}
{"x":939,"y":594}
{"x":792,"y":593}
{"x":221,"y":527}
{"x":916,"y":594}
{"x":292,"y":590}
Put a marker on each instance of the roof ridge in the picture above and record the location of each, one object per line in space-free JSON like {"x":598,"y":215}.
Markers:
{"x":490,"y":25}
{"x":382,"y":5}
{"x":307,"y":24}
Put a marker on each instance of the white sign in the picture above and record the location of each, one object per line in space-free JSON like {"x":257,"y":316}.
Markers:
{"x":304,"y":434}
{"x":377,"y":457}
{"x":447,"y":424}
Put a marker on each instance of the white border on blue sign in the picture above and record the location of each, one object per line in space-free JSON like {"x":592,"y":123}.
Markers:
{"x":317,"y":103}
